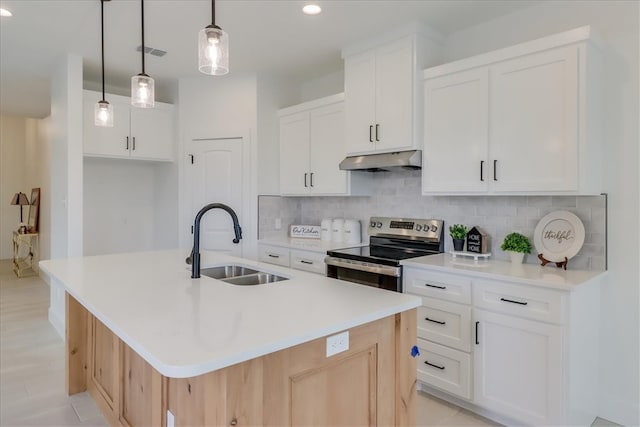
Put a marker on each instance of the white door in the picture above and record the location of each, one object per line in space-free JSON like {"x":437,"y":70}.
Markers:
{"x":518,"y":368}
{"x":456,"y":133}
{"x":534,"y":122}
{"x":393,"y":128}
{"x":216,"y":177}
{"x":327,"y":150}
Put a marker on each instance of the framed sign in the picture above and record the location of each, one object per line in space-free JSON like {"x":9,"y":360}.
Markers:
{"x":34,"y":211}
{"x":305,"y":231}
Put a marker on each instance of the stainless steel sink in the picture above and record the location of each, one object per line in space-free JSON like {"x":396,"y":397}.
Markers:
{"x":258,"y":278}
{"x":227,"y":271}
{"x":240,"y":275}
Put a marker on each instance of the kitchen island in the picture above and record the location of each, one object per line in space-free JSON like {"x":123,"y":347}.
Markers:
{"x":155,"y":347}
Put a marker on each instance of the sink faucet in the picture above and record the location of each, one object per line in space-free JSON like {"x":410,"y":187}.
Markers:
{"x":194,"y":259}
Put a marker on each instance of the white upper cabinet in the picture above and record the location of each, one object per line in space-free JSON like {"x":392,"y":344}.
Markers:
{"x":144,"y":134}
{"x":383,"y":107}
{"x":521,"y":120}
{"x":312,"y":147}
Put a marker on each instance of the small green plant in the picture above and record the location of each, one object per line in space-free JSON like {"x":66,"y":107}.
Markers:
{"x":458,"y":231}
{"x":516,"y":242}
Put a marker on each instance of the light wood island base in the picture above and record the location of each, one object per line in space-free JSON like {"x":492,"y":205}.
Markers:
{"x":372,"y":383}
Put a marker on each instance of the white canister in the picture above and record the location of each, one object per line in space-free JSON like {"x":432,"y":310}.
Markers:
{"x":325,"y":229}
{"x":352,"y":232}
{"x":337,"y":230}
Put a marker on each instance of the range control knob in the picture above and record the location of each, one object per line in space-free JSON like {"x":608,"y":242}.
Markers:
{"x":418,"y":227}
{"x":379,"y":224}
{"x":434,"y":228}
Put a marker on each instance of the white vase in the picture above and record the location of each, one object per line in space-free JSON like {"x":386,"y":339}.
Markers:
{"x":516,"y":257}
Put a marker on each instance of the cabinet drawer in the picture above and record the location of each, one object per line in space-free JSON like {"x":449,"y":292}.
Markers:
{"x":445,"y":323}
{"x":437,"y":285}
{"x":274,"y":255}
{"x":519,"y":300}
{"x":444,"y":368}
{"x":308,"y":261}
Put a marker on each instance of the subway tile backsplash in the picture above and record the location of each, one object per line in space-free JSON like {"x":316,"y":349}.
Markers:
{"x":397,"y":194}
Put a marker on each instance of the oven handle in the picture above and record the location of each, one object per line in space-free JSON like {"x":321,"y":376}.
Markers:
{"x":384,"y":270}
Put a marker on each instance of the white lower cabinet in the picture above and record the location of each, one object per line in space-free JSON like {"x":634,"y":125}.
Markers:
{"x":311,"y":261}
{"x":518,"y":367}
{"x":507,"y":348}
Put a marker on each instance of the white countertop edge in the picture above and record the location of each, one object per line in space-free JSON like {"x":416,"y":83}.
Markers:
{"x":473,"y":270}
{"x":204,"y":368}
{"x":312,"y":245}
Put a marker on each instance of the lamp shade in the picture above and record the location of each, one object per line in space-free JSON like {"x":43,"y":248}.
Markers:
{"x":20,"y":199}
{"x":142,"y":91}
{"x":103,"y":114}
{"x":213,"y":51}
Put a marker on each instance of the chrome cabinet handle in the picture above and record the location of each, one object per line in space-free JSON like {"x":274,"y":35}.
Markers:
{"x":377,"y":132}
{"x":311,"y":179}
{"x":495,"y":166}
{"x":133,"y":146}
{"x":370,"y":133}
{"x":305,"y":180}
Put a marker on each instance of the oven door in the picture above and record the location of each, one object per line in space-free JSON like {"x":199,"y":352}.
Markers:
{"x":374,"y":275}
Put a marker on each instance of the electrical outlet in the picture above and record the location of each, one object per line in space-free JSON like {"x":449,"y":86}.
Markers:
{"x":337,"y":343}
{"x":278,"y":224}
{"x":171,"y":419}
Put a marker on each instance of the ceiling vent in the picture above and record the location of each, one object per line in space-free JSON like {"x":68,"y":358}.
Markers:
{"x":152,"y":51}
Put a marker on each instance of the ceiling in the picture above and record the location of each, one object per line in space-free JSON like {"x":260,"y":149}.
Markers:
{"x":265,"y":36}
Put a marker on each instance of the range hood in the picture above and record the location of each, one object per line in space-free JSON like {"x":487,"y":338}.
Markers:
{"x":383,"y":161}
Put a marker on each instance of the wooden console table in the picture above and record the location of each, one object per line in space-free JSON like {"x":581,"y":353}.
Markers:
{"x":25,"y":254}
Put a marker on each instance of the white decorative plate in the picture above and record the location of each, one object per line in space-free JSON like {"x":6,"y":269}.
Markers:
{"x":558,"y":235}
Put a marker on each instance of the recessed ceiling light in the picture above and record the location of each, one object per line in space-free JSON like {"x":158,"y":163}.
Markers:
{"x":5,"y":12}
{"x":311,"y":9}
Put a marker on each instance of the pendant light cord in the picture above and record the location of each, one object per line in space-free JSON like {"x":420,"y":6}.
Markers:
{"x":213,"y":12}
{"x":102,"y":41}
{"x":142,"y":19}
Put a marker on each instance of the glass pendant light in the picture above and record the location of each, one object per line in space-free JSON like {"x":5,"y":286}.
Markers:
{"x":142,"y":86}
{"x":213,"y":48}
{"x":103,"y":111}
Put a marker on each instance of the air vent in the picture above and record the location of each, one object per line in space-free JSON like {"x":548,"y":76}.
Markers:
{"x":152,"y":51}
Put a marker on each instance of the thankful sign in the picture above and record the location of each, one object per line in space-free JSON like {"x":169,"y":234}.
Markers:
{"x":558,"y":235}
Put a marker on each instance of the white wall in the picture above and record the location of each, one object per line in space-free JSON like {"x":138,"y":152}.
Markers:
{"x":617,"y":24}
{"x":119,"y":201}
{"x":215,"y":107}
{"x":322,"y":86}
{"x":12,"y":179}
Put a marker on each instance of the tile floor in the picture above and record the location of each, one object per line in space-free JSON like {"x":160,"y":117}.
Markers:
{"x":32,"y":368}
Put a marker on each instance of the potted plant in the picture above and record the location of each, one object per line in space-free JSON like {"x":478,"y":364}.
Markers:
{"x":516,"y":245}
{"x":458,"y":232}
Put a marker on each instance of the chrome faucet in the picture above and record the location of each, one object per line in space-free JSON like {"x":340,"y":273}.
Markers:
{"x":194,"y":259}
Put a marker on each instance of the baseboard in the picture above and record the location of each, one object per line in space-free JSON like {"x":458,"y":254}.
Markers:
{"x":57,"y":323}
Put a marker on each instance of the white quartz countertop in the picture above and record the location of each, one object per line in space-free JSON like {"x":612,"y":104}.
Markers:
{"x":548,"y":276}
{"x":314,"y":245}
{"x":186,"y":327}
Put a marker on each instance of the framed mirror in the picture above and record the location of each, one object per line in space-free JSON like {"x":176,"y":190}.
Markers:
{"x":34,"y":211}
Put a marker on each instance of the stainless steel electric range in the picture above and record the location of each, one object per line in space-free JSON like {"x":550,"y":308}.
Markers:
{"x":391,"y":240}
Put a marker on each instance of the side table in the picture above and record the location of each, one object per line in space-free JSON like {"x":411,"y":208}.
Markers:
{"x":25,"y":254}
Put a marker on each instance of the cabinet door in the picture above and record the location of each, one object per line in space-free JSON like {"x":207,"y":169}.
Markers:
{"x":103,"y":366}
{"x":456,"y":133}
{"x":517,"y":367}
{"x":359,"y":89}
{"x":327,"y":150}
{"x":294,"y":154}
{"x":105,"y":141}
{"x":534,"y":122}
{"x":394,"y":86}
{"x":152,"y":133}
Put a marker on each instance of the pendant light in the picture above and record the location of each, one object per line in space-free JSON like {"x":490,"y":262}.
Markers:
{"x":103,"y":111}
{"x":213,"y":48}
{"x":142,"y":86}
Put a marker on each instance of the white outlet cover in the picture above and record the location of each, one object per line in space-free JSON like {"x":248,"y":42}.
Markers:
{"x":337,"y":343}
{"x":171,"y":419}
